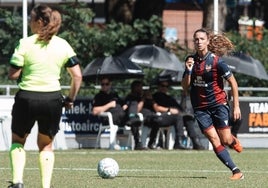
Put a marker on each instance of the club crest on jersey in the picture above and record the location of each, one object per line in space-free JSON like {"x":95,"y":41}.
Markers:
{"x":208,"y":68}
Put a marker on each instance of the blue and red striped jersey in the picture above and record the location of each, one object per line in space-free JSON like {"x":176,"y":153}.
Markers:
{"x":207,"y":81}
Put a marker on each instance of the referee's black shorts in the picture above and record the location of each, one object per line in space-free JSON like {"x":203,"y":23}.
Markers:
{"x":43,"y":107}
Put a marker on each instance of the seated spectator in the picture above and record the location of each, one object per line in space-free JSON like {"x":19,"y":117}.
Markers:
{"x":108,"y":101}
{"x":133,"y":105}
{"x":148,"y":109}
{"x":190,"y":121}
{"x":154,"y":120}
{"x":172,"y":113}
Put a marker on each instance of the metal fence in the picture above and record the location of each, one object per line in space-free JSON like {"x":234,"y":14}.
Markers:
{"x":9,"y":90}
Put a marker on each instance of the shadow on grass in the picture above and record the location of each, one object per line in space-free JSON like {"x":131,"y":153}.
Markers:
{"x":165,"y":177}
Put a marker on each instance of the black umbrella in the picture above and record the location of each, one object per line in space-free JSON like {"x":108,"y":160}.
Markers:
{"x":245,"y":64}
{"x":153,"y":56}
{"x":174,"y":76}
{"x":112,"y":67}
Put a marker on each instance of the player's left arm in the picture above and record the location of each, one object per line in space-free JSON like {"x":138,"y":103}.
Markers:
{"x":228,"y":75}
{"x":73,"y":68}
{"x":234,"y":89}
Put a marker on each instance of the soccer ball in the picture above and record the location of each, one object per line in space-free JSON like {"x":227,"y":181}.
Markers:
{"x":108,"y":168}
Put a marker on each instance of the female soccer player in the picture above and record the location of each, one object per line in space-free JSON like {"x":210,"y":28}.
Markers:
{"x":36,"y":64}
{"x":204,"y":75}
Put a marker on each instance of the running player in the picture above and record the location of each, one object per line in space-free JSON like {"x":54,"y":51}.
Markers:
{"x":204,"y":75}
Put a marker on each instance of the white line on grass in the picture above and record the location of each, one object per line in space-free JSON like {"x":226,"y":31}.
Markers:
{"x":152,"y":152}
{"x":148,"y":170}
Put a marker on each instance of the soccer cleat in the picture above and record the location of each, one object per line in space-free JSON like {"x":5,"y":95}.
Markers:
{"x":237,"y":176}
{"x":237,"y":145}
{"x":16,"y":185}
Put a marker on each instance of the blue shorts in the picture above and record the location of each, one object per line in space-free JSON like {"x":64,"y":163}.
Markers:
{"x":45,"y":108}
{"x":216,"y":116}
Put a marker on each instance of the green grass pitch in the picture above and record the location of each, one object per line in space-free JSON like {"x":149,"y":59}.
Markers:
{"x":152,"y":168}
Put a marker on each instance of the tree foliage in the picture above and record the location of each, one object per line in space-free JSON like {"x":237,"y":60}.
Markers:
{"x":208,"y":19}
{"x":258,"y":50}
{"x":89,"y":40}
{"x":96,"y":40}
{"x":10,"y":33}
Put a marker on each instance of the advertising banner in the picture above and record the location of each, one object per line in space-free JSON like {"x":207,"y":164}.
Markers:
{"x":254,"y":117}
{"x":79,"y":119}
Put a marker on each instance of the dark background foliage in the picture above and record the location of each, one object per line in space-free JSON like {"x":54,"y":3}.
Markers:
{"x":96,"y":40}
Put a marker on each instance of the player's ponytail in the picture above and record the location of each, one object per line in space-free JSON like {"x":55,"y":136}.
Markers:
{"x":55,"y":22}
{"x":51,"y":20}
{"x":219,"y":44}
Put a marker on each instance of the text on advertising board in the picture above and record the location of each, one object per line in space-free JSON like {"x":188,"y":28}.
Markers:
{"x":258,"y":117}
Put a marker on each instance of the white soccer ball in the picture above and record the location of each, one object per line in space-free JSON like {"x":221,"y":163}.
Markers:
{"x":108,"y":168}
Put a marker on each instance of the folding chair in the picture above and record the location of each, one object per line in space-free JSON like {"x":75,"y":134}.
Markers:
{"x":169,"y":141}
{"x":110,"y":126}
{"x":113,"y":131}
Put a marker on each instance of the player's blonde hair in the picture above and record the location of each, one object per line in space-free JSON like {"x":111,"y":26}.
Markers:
{"x":219,"y":44}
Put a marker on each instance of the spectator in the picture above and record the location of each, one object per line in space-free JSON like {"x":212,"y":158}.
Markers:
{"x":36,"y":64}
{"x":147,"y":109}
{"x":108,"y":101}
{"x":148,"y":116}
{"x":235,"y":125}
{"x":172,"y":112}
{"x":134,"y":105}
{"x":190,"y":121}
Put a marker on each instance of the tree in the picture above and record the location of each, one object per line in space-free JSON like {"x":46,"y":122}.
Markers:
{"x":144,"y":9}
{"x":119,"y":11}
{"x":89,"y":41}
{"x":126,"y":11}
{"x":208,"y":18}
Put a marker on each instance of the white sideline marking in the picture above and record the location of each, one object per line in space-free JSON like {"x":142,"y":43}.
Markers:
{"x":148,"y":170}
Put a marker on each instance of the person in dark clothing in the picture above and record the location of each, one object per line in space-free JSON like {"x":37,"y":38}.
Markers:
{"x":108,"y":101}
{"x":147,"y":109}
{"x":133,"y":105}
{"x":148,"y":115}
{"x":235,"y":125}
{"x":190,"y":121}
{"x":172,"y":114}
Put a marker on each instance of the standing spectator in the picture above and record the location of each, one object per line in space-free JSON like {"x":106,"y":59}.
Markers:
{"x":134,"y":105}
{"x":171,"y":109}
{"x":37,"y":63}
{"x":204,"y":75}
{"x":108,"y":101}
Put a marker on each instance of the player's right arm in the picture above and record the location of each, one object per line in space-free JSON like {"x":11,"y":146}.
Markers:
{"x":186,"y":80}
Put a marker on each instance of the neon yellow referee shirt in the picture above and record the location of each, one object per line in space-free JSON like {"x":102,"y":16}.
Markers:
{"x":41,"y":62}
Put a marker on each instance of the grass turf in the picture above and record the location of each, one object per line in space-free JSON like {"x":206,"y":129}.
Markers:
{"x":161,"y":168}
